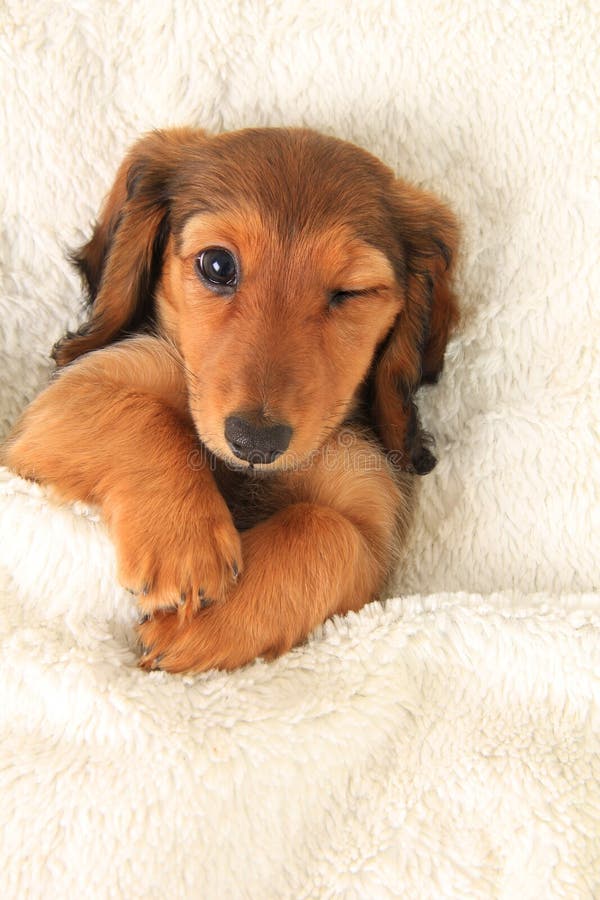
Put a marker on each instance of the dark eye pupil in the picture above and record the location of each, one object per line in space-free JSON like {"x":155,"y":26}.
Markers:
{"x":217,"y":266}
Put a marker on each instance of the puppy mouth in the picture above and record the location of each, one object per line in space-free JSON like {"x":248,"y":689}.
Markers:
{"x":255,"y":462}
{"x":255,"y":466}
{"x":232,"y":451}
{"x":254,"y":458}
{"x":248,"y":440}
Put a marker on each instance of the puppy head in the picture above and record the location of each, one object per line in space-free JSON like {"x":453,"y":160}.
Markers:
{"x":291,"y":270}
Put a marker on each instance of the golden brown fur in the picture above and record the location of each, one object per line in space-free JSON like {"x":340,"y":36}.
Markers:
{"x":340,"y":309}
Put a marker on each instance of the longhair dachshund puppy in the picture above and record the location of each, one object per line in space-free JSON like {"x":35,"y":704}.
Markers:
{"x":263,"y":306}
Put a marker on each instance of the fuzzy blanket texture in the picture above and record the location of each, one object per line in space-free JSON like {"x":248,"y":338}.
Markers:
{"x":444,"y":743}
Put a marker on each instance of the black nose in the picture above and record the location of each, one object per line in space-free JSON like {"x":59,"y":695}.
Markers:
{"x":256,"y":443}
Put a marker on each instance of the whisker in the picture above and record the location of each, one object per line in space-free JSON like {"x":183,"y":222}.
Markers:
{"x":176,"y":357}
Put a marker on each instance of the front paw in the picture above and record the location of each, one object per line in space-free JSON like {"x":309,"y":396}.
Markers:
{"x":212,"y":639}
{"x":172,"y":553}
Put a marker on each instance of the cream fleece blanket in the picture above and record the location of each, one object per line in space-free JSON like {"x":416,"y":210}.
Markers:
{"x":445,"y":743}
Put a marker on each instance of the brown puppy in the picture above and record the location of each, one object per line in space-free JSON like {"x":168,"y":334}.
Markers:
{"x":263,"y":306}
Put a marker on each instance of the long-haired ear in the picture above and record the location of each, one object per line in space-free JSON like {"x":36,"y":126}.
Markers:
{"x":414,"y":352}
{"x":121,"y":262}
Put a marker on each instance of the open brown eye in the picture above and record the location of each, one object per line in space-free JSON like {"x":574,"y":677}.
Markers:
{"x":218,"y":267}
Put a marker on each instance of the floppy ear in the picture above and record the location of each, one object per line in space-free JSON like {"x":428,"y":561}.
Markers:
{"x":121,"y":262}
{"x":414,"y":351}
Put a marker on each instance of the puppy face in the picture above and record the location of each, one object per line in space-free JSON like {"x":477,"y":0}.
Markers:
{"x":278,"y":341}
{"x":286,"y":267}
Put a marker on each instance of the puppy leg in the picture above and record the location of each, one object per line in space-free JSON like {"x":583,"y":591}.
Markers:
{"x":113,"y":429}
{"x":328,"y":552}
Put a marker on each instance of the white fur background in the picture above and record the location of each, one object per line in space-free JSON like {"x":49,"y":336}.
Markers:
{"x":447,"y":745}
